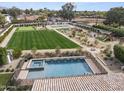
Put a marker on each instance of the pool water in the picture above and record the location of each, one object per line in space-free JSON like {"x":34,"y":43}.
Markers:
{"x":60,"y":68}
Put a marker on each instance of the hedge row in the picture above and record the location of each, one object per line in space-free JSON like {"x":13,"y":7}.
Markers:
{"x":119,"y":52}
{"x":116,"y":31}
{"x":5,"y":34}
{"x":15,"y":21}
{"x":85,"y":27}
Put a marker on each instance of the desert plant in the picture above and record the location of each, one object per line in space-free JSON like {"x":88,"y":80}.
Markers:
{"x":12,"y":70}
{"x":7,"y":70}
{"x":57,"y":50}
{"x":34,"y":49}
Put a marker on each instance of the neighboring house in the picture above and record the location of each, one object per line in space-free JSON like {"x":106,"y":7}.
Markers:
{"x":32,"y":17}
{"x":8,"y":18}
{"x":20,"y":17}
{"x":54,"y":19}
{"x":27,"y":17}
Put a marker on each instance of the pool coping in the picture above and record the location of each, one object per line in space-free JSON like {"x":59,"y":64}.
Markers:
{"x":27,"y":67}
{"x":55,"y":58}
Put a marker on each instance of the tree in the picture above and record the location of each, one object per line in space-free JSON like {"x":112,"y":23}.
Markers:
{"x":31,"y":11}
{"x":115,"y":16}
{"x":27,"y":11}
{"x":41,"y":17}
{"x":67,"y":12}
{"x":50,"y":14}
{"x":14,"y":12}
{"x":16,"y":53}
{"x":2,"y":20}
{"x":4,"y":11}
{"x":3,"y":56}
{"x":119,"y":52}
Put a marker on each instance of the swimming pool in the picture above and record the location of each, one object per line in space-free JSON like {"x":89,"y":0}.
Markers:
{"x":58,"y":68}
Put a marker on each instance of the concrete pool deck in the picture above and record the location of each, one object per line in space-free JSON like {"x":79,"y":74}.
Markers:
{"x":23,"y":74}
{"x":92,"y":66}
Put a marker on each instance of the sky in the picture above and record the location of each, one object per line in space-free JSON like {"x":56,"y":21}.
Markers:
{"x":80,"y":6}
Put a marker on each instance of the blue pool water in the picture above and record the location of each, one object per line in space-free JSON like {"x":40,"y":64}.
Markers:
{"x":59,"y":68}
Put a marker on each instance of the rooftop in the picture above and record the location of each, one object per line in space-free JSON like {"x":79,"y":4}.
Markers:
{"x":106,"y":82}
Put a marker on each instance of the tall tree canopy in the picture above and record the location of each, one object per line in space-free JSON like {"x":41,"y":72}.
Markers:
{"x":14,"y":11}
{"x":67,"y":12}
{"x":27,"y":11}
{"x":2,"y":20}
{"x":115,"y":16}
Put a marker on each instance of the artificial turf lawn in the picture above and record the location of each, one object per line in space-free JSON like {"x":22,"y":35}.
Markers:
{"x":27,"y":38}
{"x":3,"y":79}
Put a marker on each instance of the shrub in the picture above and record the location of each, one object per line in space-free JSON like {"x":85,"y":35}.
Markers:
{"x":16,"y":53}
{"x":105,"y":58}
{"x":2,"y":70}
{"x":109,"y":53}
{"x":11,"y":88}
{"x":57,"y":50}
{"x":34,"y":49}
{"x":119,"y":52}
{"x":18,"y":21}
{"x":12,"y":70}
{"x":28,"y":56}
{"x":7,"y":70}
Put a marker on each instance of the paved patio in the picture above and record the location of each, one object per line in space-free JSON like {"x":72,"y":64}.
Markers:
{"x":92,"y":66}
{"x":23,"y":74}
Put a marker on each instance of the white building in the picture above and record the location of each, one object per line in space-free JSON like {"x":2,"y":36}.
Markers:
{"x":8,"y":18}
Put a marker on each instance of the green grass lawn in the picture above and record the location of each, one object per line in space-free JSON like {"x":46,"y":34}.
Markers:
{"x":26,"y":38}
{"x":3,"y":80}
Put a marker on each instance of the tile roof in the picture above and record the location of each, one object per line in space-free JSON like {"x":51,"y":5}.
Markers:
{"x":106,"y":82}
